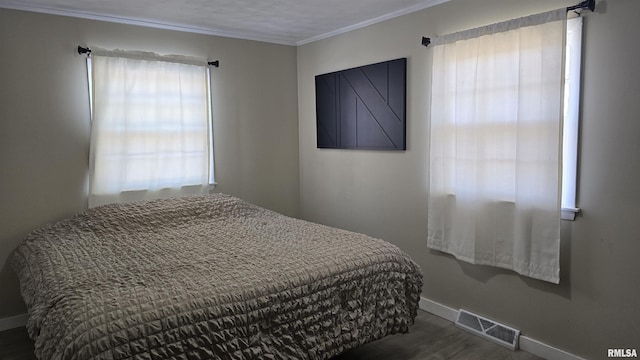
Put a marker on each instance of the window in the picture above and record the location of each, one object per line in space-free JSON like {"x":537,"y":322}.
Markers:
{"x":151,"y":125}
{"x":573,"y":60}
{"x":496,"y":157}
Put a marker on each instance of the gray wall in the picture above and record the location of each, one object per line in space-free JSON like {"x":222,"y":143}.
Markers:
{"x":259,"y":135}
{"x":44,"y":120}
{"x":597,"y":304}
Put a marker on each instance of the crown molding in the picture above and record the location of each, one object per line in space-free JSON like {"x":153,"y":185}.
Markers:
{"x":145,"y":23}
{"x":211,"y":31}
{"x":391,"y":15}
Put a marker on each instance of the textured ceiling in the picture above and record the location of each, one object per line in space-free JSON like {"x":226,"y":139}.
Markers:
{"x":291,"y":22}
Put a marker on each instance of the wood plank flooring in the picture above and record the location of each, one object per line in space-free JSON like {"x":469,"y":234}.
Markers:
{"x":430,"y":338}
{"x":434,"y":338}
{"x":16,"y":345}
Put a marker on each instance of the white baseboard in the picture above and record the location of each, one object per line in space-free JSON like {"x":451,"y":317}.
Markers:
{"x":527,"y":344}
{"x":545,"y":351}
{"x":13,"y":322}
{"x":438,"y":309}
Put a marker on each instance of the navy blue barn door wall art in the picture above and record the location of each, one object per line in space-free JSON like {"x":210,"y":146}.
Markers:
{"x":363,"y":107}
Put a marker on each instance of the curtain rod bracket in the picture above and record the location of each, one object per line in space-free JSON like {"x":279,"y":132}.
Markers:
{"x":83,"y":50}
{"x":214,"y":63}
{"x":426,"y":41}
{"x":586,"y":4}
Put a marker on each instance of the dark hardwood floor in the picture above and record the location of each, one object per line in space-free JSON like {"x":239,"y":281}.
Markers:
{"x":16,"y":345}
{"x":430,"y":338}
{"x":434,"y":338}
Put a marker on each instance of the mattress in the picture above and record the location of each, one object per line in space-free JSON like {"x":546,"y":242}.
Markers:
{"x":209,"y":277}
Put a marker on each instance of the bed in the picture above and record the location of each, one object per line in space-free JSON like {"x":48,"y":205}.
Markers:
{"x":208,"y":277}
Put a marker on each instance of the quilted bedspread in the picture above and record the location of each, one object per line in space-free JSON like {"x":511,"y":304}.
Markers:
{"x":209,"y":277}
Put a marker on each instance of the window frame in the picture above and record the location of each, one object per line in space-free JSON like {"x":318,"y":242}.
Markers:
{"x":571,"y":119}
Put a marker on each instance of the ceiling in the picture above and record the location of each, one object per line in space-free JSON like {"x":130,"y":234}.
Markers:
{"x":289,"y":22}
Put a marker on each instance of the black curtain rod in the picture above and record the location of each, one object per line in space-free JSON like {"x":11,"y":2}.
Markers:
{"x":585,"y":5}
{"x":84,"y":50}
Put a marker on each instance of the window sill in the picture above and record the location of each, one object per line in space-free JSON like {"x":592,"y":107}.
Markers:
{"x":569,"y":214}
{"x":566,"y":213}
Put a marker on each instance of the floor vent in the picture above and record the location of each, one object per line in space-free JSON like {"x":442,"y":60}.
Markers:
{"x":491,"y":330}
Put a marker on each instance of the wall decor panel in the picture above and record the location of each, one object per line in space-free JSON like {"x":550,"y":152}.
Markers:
{"x":363,"y":107}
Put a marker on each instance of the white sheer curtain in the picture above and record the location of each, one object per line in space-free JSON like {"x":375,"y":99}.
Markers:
{"x":150,"y":132}
{"x":495,"y":145}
